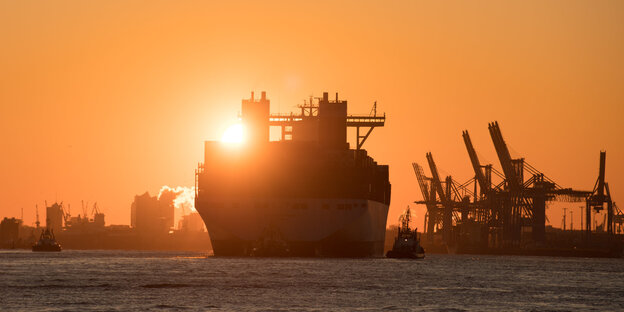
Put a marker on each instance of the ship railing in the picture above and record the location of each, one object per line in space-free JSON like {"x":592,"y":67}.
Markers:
{"x":351,"y":120}
{"x":279,"y":118}
{"x":354,"y":121}
{"x":366,"y":121}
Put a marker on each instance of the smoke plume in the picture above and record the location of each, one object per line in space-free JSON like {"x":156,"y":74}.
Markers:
{"x":182,"y":198}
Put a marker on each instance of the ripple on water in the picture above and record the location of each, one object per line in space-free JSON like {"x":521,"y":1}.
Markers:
{"x":103,"y":280}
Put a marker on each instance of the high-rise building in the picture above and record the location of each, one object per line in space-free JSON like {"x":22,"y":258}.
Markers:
{"x":54,"y":217}
{"x":150,"y":215}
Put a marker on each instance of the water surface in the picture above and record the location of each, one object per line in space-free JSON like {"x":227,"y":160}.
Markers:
{"x":158,"y":281}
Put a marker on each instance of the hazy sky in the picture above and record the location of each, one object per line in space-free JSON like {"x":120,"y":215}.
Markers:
{"x":102,"y":100}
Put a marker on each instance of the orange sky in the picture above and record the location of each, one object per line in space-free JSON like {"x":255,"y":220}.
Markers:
{"x":102,"y":100}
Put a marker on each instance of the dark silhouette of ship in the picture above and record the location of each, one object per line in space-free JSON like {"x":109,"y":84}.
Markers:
{"x":308,"y":194}
{"x":46,"y":242}
{"x":407,"y":242}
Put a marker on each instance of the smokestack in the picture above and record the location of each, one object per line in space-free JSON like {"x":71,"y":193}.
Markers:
{"x":336,"y":97}
{"x":325,"y":97}
{"x":252,"y":96}
{"x":263,"y":96}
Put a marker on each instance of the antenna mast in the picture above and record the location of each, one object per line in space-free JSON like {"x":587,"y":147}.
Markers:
{"x":37,"y":213}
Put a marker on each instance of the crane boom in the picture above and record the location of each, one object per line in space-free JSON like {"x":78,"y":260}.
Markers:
{"x":436,"y":177}
{"x":474,"y":159}
{"x":420,"y":176}
{"x":504,"y":156}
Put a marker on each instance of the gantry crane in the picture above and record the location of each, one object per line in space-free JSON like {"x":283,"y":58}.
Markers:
{"x":448,"y":203}
{"x":600,"y":196}
{"x":503,"y":211}
{"x":429,"y":194}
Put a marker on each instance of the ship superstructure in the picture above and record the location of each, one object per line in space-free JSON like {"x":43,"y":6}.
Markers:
{"x":309,"y":194}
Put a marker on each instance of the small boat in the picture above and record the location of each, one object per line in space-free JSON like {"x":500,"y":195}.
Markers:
{"x":47,"y":242}
{"x":407,"y":243}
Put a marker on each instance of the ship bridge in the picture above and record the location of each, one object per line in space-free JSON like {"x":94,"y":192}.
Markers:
{"x":325,"y":120}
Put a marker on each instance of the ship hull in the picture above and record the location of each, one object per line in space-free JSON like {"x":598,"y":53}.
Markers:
{"x":51,"y":248}
{"x":308,"y":227}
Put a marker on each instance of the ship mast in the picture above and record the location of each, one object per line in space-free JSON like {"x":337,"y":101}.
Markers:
{"x":405,"y":220}
{"x":37,"y":213}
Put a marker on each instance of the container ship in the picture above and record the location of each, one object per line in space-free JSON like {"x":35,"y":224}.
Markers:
{"x":308,"y":194}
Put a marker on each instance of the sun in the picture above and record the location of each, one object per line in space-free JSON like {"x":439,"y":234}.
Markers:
{"x":234,"y":134}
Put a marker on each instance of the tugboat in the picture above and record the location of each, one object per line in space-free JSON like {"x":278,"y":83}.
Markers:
{"x":47,"y":242}
{"x":407,"y":242}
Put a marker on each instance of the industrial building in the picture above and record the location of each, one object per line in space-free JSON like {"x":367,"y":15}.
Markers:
{"x":9,"y":232}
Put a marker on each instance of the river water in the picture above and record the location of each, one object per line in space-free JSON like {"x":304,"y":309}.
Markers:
{"x":158,"y":281}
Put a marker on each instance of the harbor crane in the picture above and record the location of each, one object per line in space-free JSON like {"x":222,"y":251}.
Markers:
{"x":509,"y":212}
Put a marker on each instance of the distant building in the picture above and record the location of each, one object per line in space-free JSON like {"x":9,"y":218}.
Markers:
{"x":9,"y":232}
{"x":84,"y":223}
{"x":150,"y":215}
{"x":54,"y":217}
{"x":98,"y":220}
{"x":28,"y":235}
{"x":191,"y":223}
